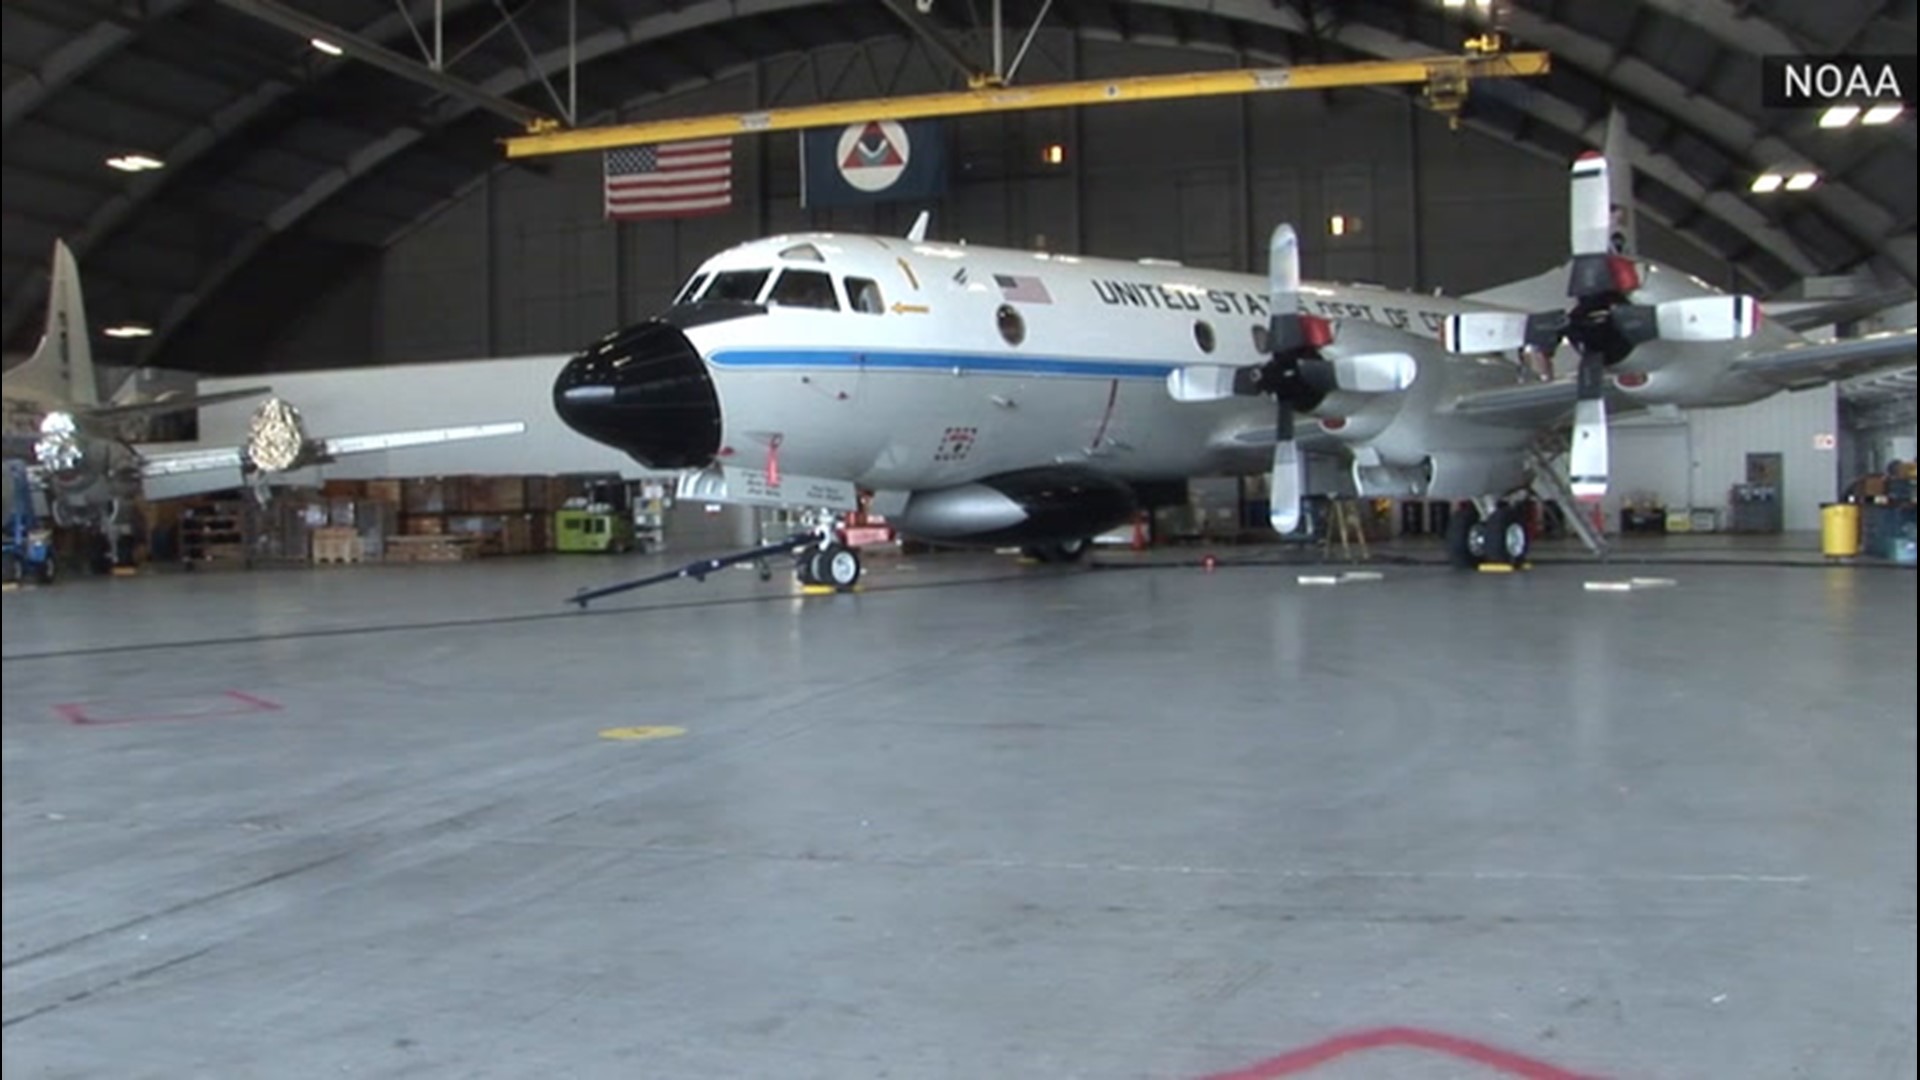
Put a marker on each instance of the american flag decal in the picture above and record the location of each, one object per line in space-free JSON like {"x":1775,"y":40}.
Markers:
{"x":669,"y":179}
{"x":1023,"y":288}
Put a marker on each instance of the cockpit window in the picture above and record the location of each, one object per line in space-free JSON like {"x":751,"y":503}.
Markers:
{"x":804,"y":288}
{"x":804,"y":253}
{"x":863,"y":295}
{"x":698,"y":282}
{"x":737,"y":285}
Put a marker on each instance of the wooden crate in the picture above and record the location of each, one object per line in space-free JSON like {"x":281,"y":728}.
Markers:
{"x":431,"y":548}
{"x":496,"y":494}
{"x":423,"y":524}
{"x":386,"y":491}
{"x":343,"y":489}
{"x":338,"y":544}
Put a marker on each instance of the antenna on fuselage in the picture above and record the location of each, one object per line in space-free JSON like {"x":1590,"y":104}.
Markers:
{"x":919,"y":230}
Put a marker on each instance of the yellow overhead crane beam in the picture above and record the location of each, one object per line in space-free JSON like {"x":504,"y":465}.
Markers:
{"x":1446,"y":79}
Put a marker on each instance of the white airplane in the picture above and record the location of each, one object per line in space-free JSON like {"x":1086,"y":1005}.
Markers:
{"x":82,"y":457}
{"x":994,"y":396}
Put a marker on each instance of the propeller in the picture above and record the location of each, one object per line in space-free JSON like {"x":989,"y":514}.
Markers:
{"x":1602,"y":324}
{"x":1296,"y":375}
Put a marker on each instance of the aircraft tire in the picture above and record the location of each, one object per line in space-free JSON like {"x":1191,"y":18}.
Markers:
{"x":803,"y":566}
{"x":1508,"y":536}
{"x":1059,"y":551}
{"x":838,"y":566}
{"x":1462,"y":550}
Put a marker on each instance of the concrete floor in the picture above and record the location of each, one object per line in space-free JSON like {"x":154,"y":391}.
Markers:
{"x":979,"y":821}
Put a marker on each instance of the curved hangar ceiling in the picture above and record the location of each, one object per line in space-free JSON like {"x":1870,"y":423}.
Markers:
{"x":283,"y":164}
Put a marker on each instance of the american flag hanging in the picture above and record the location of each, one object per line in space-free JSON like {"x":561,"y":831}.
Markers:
{"x":669,"y":179}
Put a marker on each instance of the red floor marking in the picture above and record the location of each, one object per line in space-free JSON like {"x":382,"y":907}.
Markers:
{"x":1318,"y":1054}
{"x":123,"y":711}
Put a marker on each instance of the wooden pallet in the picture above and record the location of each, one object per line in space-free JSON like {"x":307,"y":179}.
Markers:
{"x":431,"y":548}
{"x":338,"y":544}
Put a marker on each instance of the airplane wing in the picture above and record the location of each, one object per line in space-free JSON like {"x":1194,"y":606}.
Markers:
{"x":1534,"y":404}
{"x":279,"y":445}
{"x":1811,"y":363}
{"x":1809,"y":314}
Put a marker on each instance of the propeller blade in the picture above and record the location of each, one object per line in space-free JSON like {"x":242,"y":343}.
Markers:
{"x":1374,"y":373}
{"x":1201,"y":382}
{"x":1590,"y":214}
{"x":1484,"y":332}
{"x":1707,"y":318}
{"x":1587,"y":463}
{"x":1285,"y":484}
{"x":1283,"y":272}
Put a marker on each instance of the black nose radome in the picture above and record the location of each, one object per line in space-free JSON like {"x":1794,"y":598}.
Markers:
{"x":645,"y":391}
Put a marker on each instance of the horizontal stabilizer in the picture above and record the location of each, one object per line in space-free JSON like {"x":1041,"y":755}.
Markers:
{"x":1484,"y":331}
{"x":163,"y":406}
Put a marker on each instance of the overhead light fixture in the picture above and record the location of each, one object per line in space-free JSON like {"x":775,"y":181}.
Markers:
{"x":1053,"y":154}
{"x":1884,"y":114}
{"x":1801,"y":181}
{"x":1340,"y":225}
{"x":1839,"y":116}
{"x":1455,"y":4}
{"x":135,"y":163}
{"x":1768,"y":182}
{"x":129,"y":330}
{"x":327,"y":47}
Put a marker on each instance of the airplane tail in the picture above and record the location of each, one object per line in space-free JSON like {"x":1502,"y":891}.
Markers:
{"x":61,"y":369}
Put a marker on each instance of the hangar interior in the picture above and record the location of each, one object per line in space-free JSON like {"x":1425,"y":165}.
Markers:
{"x":1182,"y":810}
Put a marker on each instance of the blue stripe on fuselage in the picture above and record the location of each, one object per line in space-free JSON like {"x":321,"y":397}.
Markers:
{"x":947,"y":362}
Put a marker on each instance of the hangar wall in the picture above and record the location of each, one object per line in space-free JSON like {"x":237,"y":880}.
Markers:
{"x":1693,"y":460}
{"x":524,"y":263}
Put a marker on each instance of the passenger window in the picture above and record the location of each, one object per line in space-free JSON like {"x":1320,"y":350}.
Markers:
{"x":804,"y":288}
{"x":737,"y":285}
{"x":698,"y":282}
{"x":863,"y":295}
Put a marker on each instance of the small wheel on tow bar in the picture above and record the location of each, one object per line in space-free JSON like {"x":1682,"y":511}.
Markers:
{"x":803,"y":566}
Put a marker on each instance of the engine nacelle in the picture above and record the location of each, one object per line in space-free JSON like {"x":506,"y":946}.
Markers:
{"x":1032,"y":506}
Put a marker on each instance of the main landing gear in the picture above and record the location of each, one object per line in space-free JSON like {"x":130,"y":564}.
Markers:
{"x":1496,"y":535}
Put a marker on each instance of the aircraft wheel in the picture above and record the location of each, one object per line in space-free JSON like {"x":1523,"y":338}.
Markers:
{"x":1466,"y":537}
{"x":1061,"y":551}
{"x":44,"y":572}
{"x":1507,"y":536}
{"x":803,"y":566}
{"x":837,"y":566}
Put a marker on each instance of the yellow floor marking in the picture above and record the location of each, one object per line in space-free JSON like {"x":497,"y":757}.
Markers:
{"x":638,"y":734}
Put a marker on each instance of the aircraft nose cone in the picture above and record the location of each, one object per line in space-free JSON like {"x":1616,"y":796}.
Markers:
{"x":644,"y":391}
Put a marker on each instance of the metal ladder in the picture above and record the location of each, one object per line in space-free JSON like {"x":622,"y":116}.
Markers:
{"x":1551,"y":484}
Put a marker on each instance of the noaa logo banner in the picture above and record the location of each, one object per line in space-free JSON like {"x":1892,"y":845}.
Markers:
{"x":876,"y":161}
{"x":1805,"y":82}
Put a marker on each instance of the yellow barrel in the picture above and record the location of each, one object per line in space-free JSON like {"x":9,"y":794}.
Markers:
{"x":1839,"y":530}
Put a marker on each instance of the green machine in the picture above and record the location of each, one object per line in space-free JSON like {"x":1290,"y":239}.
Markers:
{"x":592,"y":530}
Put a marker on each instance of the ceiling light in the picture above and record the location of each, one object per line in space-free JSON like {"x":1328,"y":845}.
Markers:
{"x":129,"y":330}
{"x":1767,"y":182}
{"x":1839,"y":116}
{"x":1884,"y":114}
{"x":327,"y":47}
{"x":1801,"y":181}
{"x":135,"y":163}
